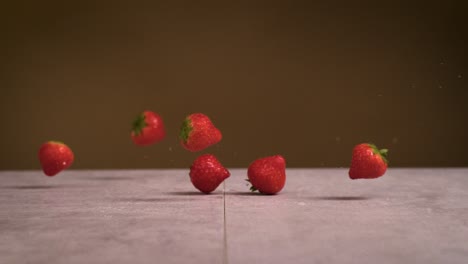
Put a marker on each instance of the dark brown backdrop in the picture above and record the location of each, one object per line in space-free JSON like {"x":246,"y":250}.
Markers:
{"x":308,"y":80}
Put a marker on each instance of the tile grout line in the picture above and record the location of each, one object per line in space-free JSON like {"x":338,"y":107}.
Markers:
{"x":225,"y":254}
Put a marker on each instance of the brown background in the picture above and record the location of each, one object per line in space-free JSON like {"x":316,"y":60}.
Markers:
{"x":308,"y":80}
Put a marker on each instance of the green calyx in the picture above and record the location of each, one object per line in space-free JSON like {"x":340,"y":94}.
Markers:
{"x":185,"y":130}
{"x":139,"y":124}
{"x":56,"y":142}
{"x":381,"y":152}
{"x":252,"y":188}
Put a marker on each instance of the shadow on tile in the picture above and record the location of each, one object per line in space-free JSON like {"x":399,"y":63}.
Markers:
{"x":341,"y":198}
{"x":109,"y":178}
{"x":189,"y":193}
{"x":34,"y":187}
{"x":153,"y":200}
{"x":246,"y":194}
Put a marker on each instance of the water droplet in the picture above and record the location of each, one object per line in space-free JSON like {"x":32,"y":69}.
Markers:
{"x":459,"y":76}
{"x":170,"y":148}
{"x":338,"y":139}
{"x":440,"y":86}
{"x":380,"y":95}
{"x":394,"y":140}
{"x":64,"y":163}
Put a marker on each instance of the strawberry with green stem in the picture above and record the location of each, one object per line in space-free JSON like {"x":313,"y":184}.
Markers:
{"x":267,"y":175}
{"x":147,"y":129}
{"x":368,"y":162}
{"x":198,"y":132}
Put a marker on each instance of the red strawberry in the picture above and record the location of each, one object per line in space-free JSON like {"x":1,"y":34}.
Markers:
{"x":207,"y":173}
{"x":267,"y":175}
{"x":55,"y":156}
{"x":368,"y":162}
{"x":198,"y":133}
{"x":148,"y":128}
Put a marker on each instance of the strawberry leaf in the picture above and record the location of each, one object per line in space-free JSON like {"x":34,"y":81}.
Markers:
{"x":185,"y":130}
{"x":381,"y":152}
{"x":139,"y":124}
{"x":252,"y":188}
{"x":56,"y":142}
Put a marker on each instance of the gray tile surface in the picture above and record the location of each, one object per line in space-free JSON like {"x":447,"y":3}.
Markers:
{"x":407,"y":216}
{"x":108,"y":217}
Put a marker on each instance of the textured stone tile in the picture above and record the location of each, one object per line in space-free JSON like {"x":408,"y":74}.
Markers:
{"x":108,"y":217}
{"x":407,"y":216}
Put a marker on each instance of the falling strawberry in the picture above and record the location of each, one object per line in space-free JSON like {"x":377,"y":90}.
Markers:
{"x":148,"y":128}
{"x":54,"y":157}
{"x":267,"y":175}
{"x":207,"y":173}
{"x":198,"y":132}
{"x":368,"y":162}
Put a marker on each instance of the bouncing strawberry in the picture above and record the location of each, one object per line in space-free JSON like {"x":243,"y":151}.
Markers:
{"x":198,"y":132}
{"x":207,"y":173}
{"x":368,"y":162}
{"x":54,"y":157}
{"x":267,"y":175}
{"x":148,"y":128}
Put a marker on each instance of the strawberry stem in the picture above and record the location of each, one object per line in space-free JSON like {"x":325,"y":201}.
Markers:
{"x":252,"y":188}
{"x":56,"y":142}
{"x":139,"y":124}
{"x":185,"y":130}
{"x":381,"y":152}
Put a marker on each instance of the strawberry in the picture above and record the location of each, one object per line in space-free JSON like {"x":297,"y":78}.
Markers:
{"x":198,"y":132}
{"x":148,"y":128}
{"x":54,"y":157}
{"x":267,"y":175}
{"x":207,"y":173}
{"x":368,"y":162}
